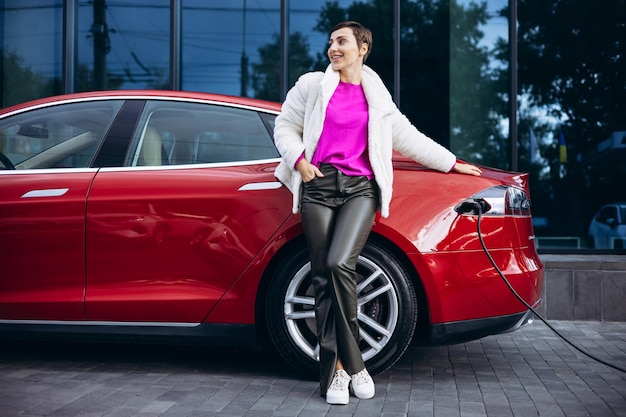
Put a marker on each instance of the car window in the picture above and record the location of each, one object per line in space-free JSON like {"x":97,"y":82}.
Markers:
{"x":607,"y":212}
{"x":60,"y":136}
{"x":174,"y":133}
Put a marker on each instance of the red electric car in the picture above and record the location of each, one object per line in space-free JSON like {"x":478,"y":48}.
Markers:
{"x":156,"y":216}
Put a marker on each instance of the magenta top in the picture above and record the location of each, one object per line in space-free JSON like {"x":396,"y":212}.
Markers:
{"x":343,"y":142}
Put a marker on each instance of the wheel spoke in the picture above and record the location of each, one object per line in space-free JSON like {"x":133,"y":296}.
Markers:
{"x":366,"y":298}
{"x":297,"y":299}
{"x":300,"y":315}
{"x":369,"y":279}
{"x":380,"y":329}
{"x":370,"y":341}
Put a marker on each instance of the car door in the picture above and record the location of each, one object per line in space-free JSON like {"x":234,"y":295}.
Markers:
{"x":44,"y":185}
{"x":196,"y":200}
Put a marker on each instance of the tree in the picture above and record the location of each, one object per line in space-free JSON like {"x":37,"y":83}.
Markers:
{"x":572,"y":66}
{"x":572,"y":59}
{"x":447,"y":87}
{"x":21,"y":84}
{"x":266,"y":73}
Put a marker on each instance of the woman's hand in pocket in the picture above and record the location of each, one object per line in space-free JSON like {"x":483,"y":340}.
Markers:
{"x":308,"y":171}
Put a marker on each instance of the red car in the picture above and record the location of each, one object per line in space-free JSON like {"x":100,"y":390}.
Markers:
{"x":156,"y":216}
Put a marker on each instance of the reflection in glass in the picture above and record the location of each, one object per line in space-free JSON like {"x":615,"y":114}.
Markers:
{"x":221,"y":38}
{"x":478,"y":81}
{"x":449,"y":72}
{"x":31,"y":49}
{"x":123,"y":45}
{"x":173,"y":133}
{"x":61,"y":136}
{"x":572,"y":70}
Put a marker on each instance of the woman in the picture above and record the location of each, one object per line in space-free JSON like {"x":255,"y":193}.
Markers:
{"x":336,"y":134}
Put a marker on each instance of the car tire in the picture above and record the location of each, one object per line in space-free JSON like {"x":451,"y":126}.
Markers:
{"x":387,"y":310}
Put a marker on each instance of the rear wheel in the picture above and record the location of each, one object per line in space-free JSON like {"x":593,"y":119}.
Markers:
{"x":387,"y":310}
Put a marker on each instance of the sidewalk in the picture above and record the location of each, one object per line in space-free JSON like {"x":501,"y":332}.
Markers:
{"x":530,"y":372}
{"x":584,"y":287}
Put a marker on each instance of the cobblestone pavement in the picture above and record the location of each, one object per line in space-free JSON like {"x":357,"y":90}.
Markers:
{"x":530,"y":372}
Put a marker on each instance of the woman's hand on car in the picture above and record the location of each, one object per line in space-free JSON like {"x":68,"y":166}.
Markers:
{"x":468,"y":169}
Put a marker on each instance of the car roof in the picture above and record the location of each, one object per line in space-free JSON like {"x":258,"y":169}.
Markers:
{"x":148,"y":94}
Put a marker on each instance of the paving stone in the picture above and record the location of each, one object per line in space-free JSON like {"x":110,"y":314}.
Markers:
{"x":528,"y":372}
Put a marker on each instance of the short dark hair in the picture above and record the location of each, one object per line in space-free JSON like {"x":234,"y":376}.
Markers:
{"x":361,"y":33}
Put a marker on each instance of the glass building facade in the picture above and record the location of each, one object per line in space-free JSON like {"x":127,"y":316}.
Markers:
{"x":452,"y":66}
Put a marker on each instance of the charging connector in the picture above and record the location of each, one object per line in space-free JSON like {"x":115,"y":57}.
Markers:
{"x":480,"y":206}
{"x":473,"y":206}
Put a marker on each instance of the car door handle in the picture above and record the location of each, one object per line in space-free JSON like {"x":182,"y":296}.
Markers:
{"x":49,"y":192}
{"x":255,"y":186}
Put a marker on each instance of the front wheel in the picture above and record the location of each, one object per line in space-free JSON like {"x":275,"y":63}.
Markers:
{"x":387,"y":310}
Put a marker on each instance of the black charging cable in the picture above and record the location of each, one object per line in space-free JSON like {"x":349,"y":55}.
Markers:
{"x":480,"y":205}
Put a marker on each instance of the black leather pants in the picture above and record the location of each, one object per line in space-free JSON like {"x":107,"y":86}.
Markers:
{"x":337,"y":214}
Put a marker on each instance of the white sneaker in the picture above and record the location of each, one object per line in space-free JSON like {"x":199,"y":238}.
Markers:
{"x":338,"y":390}
{"x":362,"y":385}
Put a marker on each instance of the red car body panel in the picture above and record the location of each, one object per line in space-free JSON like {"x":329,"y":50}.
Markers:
{"x":201,"y":241}
{"x":42,"y":240}
{"x":459,"y":280}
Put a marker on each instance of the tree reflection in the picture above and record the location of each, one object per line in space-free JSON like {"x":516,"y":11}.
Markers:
{"x":21,"y":84}
{"x":572,"y":76}
{"x":448,"y":88}
{"x":266,"y":73}
{"x":571,"y":69}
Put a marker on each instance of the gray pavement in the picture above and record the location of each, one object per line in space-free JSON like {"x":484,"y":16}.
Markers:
{"x":530,"y":372}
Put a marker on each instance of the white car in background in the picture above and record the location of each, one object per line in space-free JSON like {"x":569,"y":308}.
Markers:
{"x":608,"y":227}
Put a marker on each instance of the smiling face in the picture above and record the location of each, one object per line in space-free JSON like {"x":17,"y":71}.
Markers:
{"x":344,"y":52}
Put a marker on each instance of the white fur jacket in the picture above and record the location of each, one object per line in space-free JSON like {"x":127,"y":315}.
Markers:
{"x":299,"y":126}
